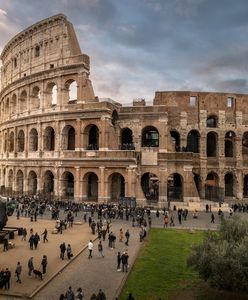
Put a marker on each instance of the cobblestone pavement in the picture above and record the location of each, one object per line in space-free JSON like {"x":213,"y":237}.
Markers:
{"x":91,"y":275}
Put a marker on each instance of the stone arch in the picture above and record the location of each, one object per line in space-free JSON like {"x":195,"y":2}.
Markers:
{"x":68,"y":138}
{"x":20,"y":141}
{"x":229,"y":184}
{"x":35,"y":98}
{"x":52,"y":95}
{"x":48,"y":186}
{"x":32,"y":183}
{"x":67,"y":184}
{"x":193,"y":141}
{"x":33,"y":140}
{"x":19,"y":182}
{"x":150,"y":186}
{"x":92,"y":137}
{"x":90,"y":181}
{"x":212,"y":142}
{"x":230,"y":144}
{"x":212,"y":121}
{"x":49,"y":139}
{"x":11,"y":141}
{"x":150,"y":137}
{"x":175,"y":137}
{"x":212,"y":191}
{"x":175,"y":187}
{"x":23,"y":101}
{"x":71,"y":87}
{"x":116,"y":186}
{"x":13,"y":104}
{"x":127,"y":139}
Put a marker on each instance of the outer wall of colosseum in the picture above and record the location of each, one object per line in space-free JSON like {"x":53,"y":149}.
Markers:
{"x":58,"y":139}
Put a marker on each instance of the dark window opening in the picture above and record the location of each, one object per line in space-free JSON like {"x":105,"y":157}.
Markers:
{"x":127,"y":139}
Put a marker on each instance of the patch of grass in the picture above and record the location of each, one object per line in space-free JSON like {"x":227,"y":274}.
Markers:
{"x":161,"y":270}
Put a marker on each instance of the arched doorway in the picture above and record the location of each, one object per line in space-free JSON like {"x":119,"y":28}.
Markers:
{"x":150,"y":186}
{"x":48,"y":182}
{"x":193,"y":141}
{"x":150,"y":137}
{"x":92,"y":133}
{"x":19,"y":182}
{"x":32,"y":183}
{"x":212,"y":141}
{"x":68,"y":138}
{"x":33,"y":140}
{"x":20,"y":141}
{"x":49,"y":139}
{"x":67,"y":185}
{"x":127,"y":139}
{"x":229,"y":185}
{"x":117,"y":187}
{"x":91,"y":182}
{"x":175,"y":187}
{"x":229,"y":144}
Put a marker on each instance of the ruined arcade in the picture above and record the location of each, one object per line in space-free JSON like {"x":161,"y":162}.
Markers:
{"x":59,"y":139}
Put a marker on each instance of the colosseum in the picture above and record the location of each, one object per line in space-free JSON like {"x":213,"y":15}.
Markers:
{"x":60,"y":140}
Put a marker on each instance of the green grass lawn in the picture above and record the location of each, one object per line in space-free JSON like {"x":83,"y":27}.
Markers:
{"x":161,"y":270}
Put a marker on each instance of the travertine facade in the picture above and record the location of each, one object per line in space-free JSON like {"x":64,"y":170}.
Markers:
{"x":57,"y":138}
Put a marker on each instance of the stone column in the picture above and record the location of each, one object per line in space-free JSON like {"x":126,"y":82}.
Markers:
{"x":163,"y":134}
{"x":101,"y":186}
{"x":104,"y":136}
{"x":78,"y":142}
{"x":162,"y":202}
{"x":77,"y":186}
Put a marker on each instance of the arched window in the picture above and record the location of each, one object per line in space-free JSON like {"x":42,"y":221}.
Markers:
{"x":212,"y":140}
{"x":67,"y":184}
{"x":175,"y":187}
{"x":20,"y":141}
{"x":73,"y":91}
{"x":175,"y":137}
{"x":35,"y":101}
{"x":23,"y":102}
{"x":68,"y":138}
{"x":229,"y":144}
{"x":48,"y":182}
{"x":245,"y":145}
{"x":7,"y":109}
{"x":127,"y":139}
{"x":51,"y":95}
{"x":19,"y":182}
{"x":193,"y":141}
{"x":91,"y":188}
{"x":92,"y":132}
{"x":33,"y":140}
{"x":13,"y":105}
{"x":150,"y":186}
{"x":150,"y":137}
{"x":212,"y":121}
{"x":32,"y":183}
{"x":49,"y":139}
{"x":11,"y":141}
{"x":10,"y":180}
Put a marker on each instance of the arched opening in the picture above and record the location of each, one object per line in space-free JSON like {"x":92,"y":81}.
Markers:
{"x":52,"y":95}
{"x":93,"y":137}
{"x":7,"y":109}
{"x":5,"y":142}
{"x":35,"y":100}
{"x":150,"y":137}
{"x":68,"y":138}
{"x":245,"y":186}
{"x":245,"y":145}
{"x":23,"y":102}
{"x":114,"y":118}
{"x":48,"y":182}
{"x":32,"y":183}
{"x":127,"y":139}
{"x":212,"y":122}
{"x":49,"y":139}
{"x":11,"y":141}
{"x":117,"y":187}
{"x":20,"y":141}
{"x":67,"y":184}
{"x":19,"y":182}
{"x":175,"y":187}
{"x":10,"y":181}
{"x":33,"y":140}
{"x":229,"y":184}
{"x":198,"y":183}
{"x":212,"y":144}
{"x":13,"y":105}
{"x":91,"y":181}
{"x":150,"y":186}
{"x":37,"y":51}
{"x":72,"y":91}
{"x":193,"y":141}
{"x":212,"y":190}
{"x":229,"y":144}
{"x":175,"y":137}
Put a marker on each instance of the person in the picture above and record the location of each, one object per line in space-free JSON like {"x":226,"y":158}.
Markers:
{"x":36,"y":240}
{"x":45,"y":233}
{"x":157,"y":213}
{"x":166,"y":221}
{"x":121,"y":236}
{"x":30,"y":266}
{"x":31,"y":242}
{"x":18,"y":272}
{"x":172,"y":220}
{"x":100,"y":249}
{"x":124,"y":260}
{"x":69,"y":295}
{"x":127,"y":235}
{"x":5,"y":245}
{"x":7,"y":279}
{"x":101,"y":295}
{"x":93,"y":297}
{"x":62,"y":250}
{"x":44,"y":264}
{"x":90,"y":248}
{"x":79,"y":294}
{"x":119,"y":261}
{"x":69,"y":251}
{"x":24,"y":234}
{"x":212,"y":218}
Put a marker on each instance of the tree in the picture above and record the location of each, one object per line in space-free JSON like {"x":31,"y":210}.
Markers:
{"x":222,"y":258}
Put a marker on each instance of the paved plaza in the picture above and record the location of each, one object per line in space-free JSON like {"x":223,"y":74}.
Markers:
{"x":90,"y":275}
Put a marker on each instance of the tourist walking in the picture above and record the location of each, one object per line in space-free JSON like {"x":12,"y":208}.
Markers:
{"x":36,"y":240}
{"x":212,"y":218}
{"x":18,"y":272}
{"x":62,"y":250}
{"x":69,"y":295}
{"x":124,"y":261}
{"x":119,"y":261}
{"x":30,"y":266}
{"x":69,"y":251}
{"x":127,"y":235}
{"x":121,"y":236}
{"x":100,"y":249}
{"x":101,"y":295}
{"x":7,"y":279}
{"x":90,"y":248}
{"x":79,"y":294}
{"x":44,"y":264}
{"x":45,"y":233}
{"x":24,"y":234}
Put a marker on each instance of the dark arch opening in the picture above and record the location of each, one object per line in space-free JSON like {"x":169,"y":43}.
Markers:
{"x":33,"y":140}
{"x":212,"y":122}
{"x":93,"y":138}
{"x":117,"y":187}
{"x":32,"y":183}
{"x":211,"y":144}
{"x":49,"y":139}
{"x":175,"y":187}
{"x":92,"y":187}
{"x":193,"y":141}
{"x":150,"y":186}
{"x":127,"y":139}
{"x":229,"y":144}
{"x":68,"y":184}
{"x":150,"y":137}
{"x":21,"y":141}
{"x":245,"y":186}
{"x":175,"y":137}
{"x":48,"y":182}
{"x":229,"y":182}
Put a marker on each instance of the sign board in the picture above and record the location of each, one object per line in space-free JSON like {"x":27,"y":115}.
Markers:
{"x":149,"y":158}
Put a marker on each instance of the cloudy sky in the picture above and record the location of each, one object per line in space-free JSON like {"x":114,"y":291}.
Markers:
{"x":138,"y":47}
